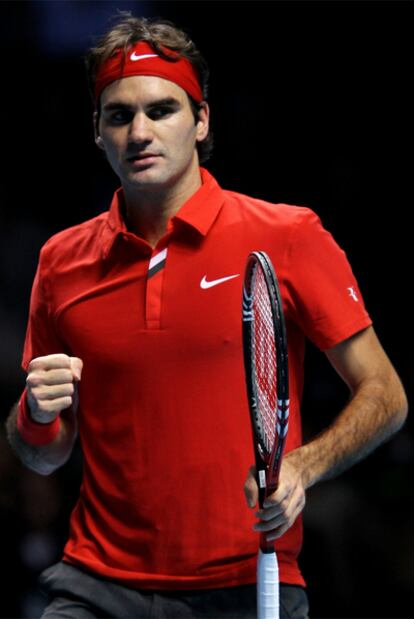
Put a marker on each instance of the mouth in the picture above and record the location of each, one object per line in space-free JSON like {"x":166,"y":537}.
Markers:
{"x":142,"y":161}
{"x":142,"y":157}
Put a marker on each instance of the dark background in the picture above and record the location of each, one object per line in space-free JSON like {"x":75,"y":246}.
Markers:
{"x":312,"y":105}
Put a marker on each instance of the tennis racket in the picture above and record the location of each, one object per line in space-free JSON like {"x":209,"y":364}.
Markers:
{"x":266,"y":369}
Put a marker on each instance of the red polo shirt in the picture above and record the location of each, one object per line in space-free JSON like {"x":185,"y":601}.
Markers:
{"x":163,"y":416}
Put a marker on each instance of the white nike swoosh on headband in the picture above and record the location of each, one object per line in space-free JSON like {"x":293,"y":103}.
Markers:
{"x":133,"y":56}
{"x":204,"y":284}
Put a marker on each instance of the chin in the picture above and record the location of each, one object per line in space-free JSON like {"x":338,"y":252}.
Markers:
{"x":143,"y":176}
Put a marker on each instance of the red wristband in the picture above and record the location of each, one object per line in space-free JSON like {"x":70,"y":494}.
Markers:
{"x":33,"y":432}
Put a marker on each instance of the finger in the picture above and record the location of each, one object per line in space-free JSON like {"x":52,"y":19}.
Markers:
{"x":283,"y":520}
{"x":47,"y":410}
{"x":58,"y":404}
{"x":278,"y":533}
{"x":264,"y":527}
{"x":76,"y":365}
{"x":274,"y":511}
{"x":281,"y":529}
{"x":50,"y":362}
{"x":75,"y":399}
{"x":49,"y":377}
{"x":52,"y":392}
{"x":278,"y":496}
{"x":251,"y":490}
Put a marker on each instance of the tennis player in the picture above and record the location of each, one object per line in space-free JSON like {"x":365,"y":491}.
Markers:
{"x":134,"y":344}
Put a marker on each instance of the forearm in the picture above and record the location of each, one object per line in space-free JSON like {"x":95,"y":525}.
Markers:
{"x":374,"y":413}
{"x":376,"y":410}
{"x":47,"y":458}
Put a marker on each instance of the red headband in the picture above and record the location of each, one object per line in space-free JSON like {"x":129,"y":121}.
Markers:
{"x":142,"y":59}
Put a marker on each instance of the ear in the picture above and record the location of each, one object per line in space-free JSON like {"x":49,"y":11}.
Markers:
{"x":203,"y":122}
{"x":98,"y":140}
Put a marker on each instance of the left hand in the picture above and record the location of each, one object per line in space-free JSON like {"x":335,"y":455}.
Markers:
{"x":281,"y":508}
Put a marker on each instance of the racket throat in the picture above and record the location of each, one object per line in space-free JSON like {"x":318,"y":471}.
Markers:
{"x":264,"y":489}
{"x":261,"y":478}
{"x":265,"y":546}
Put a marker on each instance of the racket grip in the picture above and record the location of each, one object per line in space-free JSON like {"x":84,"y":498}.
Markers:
{"x":267,"y":586}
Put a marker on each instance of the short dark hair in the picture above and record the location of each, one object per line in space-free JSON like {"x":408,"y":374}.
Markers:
{"x":127,"y":31}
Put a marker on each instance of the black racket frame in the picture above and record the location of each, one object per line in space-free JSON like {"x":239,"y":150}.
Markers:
{"x":267,"y":463}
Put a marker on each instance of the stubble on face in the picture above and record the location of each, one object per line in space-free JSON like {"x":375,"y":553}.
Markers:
{"x":149,"y":135}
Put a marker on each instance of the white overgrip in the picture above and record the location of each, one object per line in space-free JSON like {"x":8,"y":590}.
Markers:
{"x":267,"y":586}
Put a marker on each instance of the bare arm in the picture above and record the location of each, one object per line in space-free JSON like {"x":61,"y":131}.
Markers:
{"x":50,"y":390}
{"x":376,"y":410}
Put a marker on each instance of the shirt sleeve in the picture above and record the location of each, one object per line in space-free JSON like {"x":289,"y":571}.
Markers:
{"x":41,"y":336}
{"x":323,"y":295}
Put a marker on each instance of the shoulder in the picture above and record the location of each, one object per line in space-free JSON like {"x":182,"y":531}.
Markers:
{"x":271,"y":213}
{"x":74,"y":241}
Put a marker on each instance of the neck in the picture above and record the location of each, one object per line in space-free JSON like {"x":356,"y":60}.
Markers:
{"x":149,"y":211}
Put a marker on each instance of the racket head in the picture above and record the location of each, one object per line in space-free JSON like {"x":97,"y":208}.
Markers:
{"x":266,"y":367}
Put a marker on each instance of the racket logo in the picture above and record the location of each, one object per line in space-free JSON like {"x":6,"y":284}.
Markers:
{"x":282,"y":425}
{"x":282,"y":430}
{"x":283,"y":409}
{"x":247,"y":308}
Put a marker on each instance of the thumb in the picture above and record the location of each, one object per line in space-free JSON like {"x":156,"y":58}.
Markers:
{"x":251,"y":490}
{"x":76,"y":366}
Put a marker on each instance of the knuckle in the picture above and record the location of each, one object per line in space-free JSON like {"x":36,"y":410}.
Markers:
{"x":38,"y":362}
{"x":45,"y":406}
{"x":61,"y":358}
{"x":271,"y":502}
{"x":285,"y":506}
{"x":60,"y":377}
{"x":265,"y":516}
{"x":32,"y":380}
{"x":42,"y":392}
{"x":51,"y":405}
{"x":70,"y":388}
{"x":33,"y":364}
{"x":68,"y":376}
{"x":65,"y":361}
{"x":64,"y":390}
{"x":65,"y":402}
{"x":36,"y":393}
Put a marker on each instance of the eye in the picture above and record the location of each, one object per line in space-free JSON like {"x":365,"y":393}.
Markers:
{"x":120,"y":117}
{"x":157,"y":113}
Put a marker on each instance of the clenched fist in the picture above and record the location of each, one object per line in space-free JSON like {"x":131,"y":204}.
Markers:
{"x":51,"y":385}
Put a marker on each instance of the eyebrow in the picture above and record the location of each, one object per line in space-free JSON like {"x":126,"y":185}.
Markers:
{"x":167,"y":101}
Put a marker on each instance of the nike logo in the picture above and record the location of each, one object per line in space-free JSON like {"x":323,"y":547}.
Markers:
{"x":204,"y":284}
{"x":133,"y":56}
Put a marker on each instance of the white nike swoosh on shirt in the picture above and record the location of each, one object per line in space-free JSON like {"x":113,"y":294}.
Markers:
{"x":204,"y":284}
{"x":133,"y":56}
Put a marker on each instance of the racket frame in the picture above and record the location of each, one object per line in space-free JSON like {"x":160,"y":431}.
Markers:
{"x":267,"y":462}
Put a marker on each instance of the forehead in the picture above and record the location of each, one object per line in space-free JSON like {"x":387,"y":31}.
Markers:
{"x":142,"y":89}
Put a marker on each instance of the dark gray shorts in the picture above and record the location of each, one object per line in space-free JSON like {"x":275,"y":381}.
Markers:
{"x":74,"y":594}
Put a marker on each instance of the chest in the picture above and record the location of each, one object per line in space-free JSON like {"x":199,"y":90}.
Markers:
{"x":191,"y":295}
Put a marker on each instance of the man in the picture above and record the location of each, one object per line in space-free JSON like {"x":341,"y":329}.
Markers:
{"x":134,"y":340}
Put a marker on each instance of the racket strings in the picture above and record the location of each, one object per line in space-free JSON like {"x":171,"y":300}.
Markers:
{"x":264,"y":351}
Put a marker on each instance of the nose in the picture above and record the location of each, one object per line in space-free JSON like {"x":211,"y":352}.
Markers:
{"x":140,"y":129}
